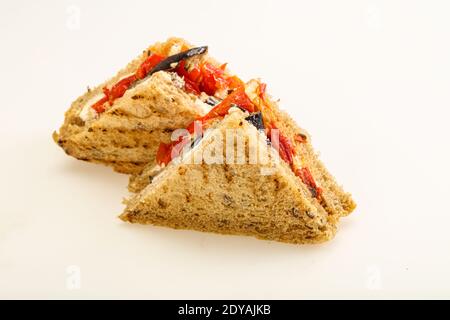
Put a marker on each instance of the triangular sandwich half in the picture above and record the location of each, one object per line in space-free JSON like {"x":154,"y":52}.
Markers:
{"x":284,"y":197}
{"x":121,"y":122}
{"x":295,"y":149}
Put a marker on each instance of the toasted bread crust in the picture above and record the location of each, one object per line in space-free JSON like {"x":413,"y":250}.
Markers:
{"x":233,"y":198}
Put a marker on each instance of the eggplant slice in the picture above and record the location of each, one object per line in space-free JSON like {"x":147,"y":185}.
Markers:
{"x":256,"y":120}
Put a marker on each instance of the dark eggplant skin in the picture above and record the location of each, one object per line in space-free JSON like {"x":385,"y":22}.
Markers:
{"x":256,"y":119}
{"x":212,"y":101}
{"x":166,"y":63}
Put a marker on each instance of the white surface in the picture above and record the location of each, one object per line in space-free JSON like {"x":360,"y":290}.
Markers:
{"x":370,"y":80}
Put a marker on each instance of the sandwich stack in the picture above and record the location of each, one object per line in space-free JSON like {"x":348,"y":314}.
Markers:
{"x":205,"y":150}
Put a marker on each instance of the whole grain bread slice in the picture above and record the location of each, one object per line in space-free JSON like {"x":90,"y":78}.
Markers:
{"x":264,"y":200}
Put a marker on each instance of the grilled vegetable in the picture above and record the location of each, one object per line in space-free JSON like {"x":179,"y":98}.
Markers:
{"x":149,"y":64}
{"x":213,"y":78}
{"x":212,"y":101}
{"x":238,"y":97}
{"x":167,"y":63}
{"x":155,"y":63}
{"x":256,"y":120}
{"x":152,"y":64}
{"x":305,"y":175}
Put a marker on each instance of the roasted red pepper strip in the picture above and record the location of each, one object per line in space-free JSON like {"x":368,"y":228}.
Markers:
{"x":99,"y":106}
{"x":192,"y":126}
{"x":163,"y":156}
{"x":262,"y":90}
{"x":166,"y":152}
{"x":192,"y":75}
{"x":148,"y":65}
{"x":307,"y":178}
{"x":191,"y":78}
{"x":284,"y":154}
{"x":207,"y":78}
{"x":237,"y":97}
{"x":287,"y":144}
{"x":234,"y":82}
{"x":119,"y":89}
{"x":191,"y":86}
{"x":286,"y":148}
{"x":287,"y":151}
{"x":212,"y":79}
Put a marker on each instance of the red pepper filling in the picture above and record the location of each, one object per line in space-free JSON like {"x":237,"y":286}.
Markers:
{"x":206,"y":78}
{"x":286,"y":148}
{"x":148,"y":65}
{"x":119,"y":89}
{"x":238,"y":97}
{"x":308,"y":179}
{"x":262,"y":91}
{"x":191,"y":78}
{"x":99,"y":106}
{"x":287,"y":152}
{"x":168,"y":151}
{"x":201,"y":78}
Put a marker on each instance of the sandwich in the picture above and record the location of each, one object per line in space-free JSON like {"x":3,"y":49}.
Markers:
{"x":244,"y":168}
{"x":121,"y":122}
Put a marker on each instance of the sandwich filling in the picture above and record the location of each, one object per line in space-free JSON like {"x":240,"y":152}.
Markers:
{"x":216,"y":92}
{"x":201,"y":78}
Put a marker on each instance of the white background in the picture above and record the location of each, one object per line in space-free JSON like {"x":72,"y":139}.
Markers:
{"x":370,"y":80}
